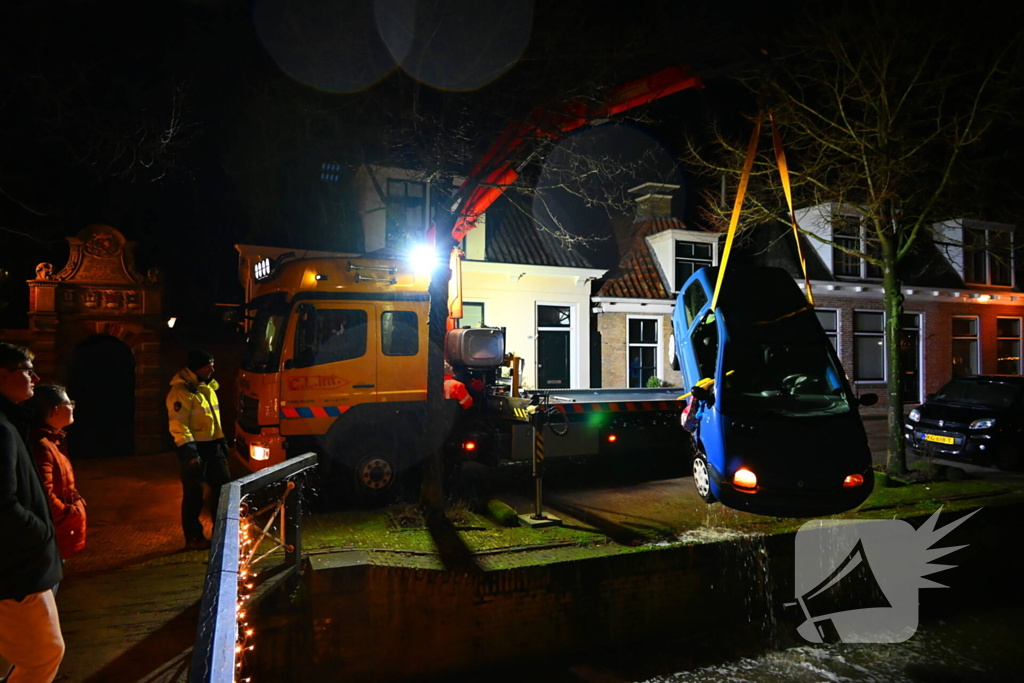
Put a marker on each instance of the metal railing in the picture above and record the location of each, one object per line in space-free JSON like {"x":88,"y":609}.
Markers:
{"x":214,"y":656}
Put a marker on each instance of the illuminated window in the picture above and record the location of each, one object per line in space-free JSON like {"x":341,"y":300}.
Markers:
{"x":965,"y":346}
{"x":1008,"y":344}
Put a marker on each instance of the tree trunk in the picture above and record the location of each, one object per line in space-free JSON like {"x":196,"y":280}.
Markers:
{"x":896,"y":460}
{"x":432,"y":485}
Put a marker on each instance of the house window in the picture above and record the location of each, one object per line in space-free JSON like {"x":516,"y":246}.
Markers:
{"x":642,"y":349}
{"x":849,"y":232}
{"x":407,"y":209}
{"x":1008,"y":343}
{"x":472,"y":315}
{"x":965,"y":346}
{"x":691,"y":257}
{"x":868,"y":346}
{"x":829,"y":320}
{"x":987,"y":259}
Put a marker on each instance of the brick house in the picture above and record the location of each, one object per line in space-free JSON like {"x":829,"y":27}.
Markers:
{"x":963,"y":306}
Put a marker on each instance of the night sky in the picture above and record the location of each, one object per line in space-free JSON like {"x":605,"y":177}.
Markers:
{"x":194,"y":125}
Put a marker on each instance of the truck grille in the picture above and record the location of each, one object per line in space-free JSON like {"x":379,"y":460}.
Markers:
{"x":248,"y":413}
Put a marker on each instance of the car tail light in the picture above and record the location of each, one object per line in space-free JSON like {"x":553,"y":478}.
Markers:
{"x":469,"y":446}
{"x":853,"y":481}
{"x":612,"y":438}
{"x":744,"y":479}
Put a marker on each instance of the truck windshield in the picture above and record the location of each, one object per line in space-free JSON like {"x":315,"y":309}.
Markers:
{"x":782,"y":378}
{"x":263,"y":347}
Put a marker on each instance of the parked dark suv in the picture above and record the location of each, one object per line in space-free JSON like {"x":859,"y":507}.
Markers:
{"x":972,"y":419}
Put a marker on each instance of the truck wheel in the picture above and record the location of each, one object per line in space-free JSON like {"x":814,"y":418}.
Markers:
{"x":702,"y":477}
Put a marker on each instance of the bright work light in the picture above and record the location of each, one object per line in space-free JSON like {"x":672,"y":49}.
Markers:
{"x":262,"y":269}
{"x":423,"y":259}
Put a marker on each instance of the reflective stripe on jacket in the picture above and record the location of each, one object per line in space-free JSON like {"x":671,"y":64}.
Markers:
{"x":453,"y":388}
{"x":193,"y":410}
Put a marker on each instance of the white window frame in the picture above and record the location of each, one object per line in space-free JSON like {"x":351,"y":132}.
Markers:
{"x":574,"y":350}
{"x":656,"y":345}
{"x":976,"y":338}
{"x":986,"y":234}
{"x":921,"y":367}
{"x":710,"y":261}
{"x":862,"y":246}
{"x":839,"y":326}
{"x":880,"y":335}
{"x":1019,"y":339}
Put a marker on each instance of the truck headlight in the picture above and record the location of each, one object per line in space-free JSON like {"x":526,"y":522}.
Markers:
{"x":258,"y":452}
{"x":984,"y":423}
{"x":915,"y":415}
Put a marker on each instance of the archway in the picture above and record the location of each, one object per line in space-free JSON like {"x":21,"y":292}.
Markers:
{"x":101,"y":381}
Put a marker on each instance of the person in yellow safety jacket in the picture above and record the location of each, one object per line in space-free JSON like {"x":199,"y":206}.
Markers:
{"x":194,"y":415}
{"x":453,"y":388}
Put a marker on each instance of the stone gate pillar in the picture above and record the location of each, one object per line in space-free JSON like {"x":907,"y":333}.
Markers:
{"x":99,"y":291}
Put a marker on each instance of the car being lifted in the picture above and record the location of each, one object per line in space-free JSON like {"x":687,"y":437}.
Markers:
{"x":777,"y":429}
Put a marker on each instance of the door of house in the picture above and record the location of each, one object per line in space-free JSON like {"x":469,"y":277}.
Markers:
{"x":910,"y":357}
{"x":554,"y":359}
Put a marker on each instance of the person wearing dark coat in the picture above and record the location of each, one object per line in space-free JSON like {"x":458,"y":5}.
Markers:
{"x":30,"y":637}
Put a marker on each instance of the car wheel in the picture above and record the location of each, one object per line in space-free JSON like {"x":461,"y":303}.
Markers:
{"x":702,"y":477}
{"x":1008,"y":459}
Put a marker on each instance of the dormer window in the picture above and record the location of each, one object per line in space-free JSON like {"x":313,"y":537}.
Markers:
{"x":849,"y":232}
{"x":691,"y":257}
{"x":406,"y":210}
{"x":987,"y":257}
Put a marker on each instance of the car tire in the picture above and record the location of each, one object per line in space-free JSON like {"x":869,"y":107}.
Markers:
{"x":702,"y":477}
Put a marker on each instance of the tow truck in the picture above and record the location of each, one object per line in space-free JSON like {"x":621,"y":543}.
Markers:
{"x":340,"y":354}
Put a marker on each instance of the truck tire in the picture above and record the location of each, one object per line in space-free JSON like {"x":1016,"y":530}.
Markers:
{"x":702,"y":476}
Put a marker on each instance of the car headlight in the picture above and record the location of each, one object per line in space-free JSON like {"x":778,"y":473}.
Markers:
{"x":915,"y":415}
{"x":985,"y":423}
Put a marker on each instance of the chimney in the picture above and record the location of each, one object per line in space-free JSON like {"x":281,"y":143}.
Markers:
{"x":654,"y":200}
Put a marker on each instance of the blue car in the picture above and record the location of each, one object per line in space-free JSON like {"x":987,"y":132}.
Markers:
{"x":775,"y":424}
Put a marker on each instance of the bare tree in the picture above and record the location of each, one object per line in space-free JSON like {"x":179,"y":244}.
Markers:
{"x":886,"y":114}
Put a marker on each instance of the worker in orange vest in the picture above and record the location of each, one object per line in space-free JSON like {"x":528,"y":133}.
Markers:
{"x":453,"y":388}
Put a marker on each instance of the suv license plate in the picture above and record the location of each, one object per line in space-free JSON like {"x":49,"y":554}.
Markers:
{"x":938,"y":439}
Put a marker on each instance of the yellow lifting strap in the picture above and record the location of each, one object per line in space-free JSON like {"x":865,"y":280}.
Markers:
{"x":741,"y":192}
{"x":780,"y":158}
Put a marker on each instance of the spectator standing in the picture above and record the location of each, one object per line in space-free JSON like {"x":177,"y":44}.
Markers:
{"x":52,"y":412}
{"x":194,"y":415}
{"x":30,"y":567}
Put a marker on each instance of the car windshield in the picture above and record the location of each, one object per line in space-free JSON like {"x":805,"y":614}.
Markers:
{"x":783,"y":378}
{"x":262,"y":351}
{"x":997,"y":395}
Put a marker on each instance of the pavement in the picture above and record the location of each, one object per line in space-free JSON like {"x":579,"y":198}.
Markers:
{"x":129,"y":603}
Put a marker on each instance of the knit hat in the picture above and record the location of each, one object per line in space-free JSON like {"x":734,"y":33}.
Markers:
{"x":198,"y":358}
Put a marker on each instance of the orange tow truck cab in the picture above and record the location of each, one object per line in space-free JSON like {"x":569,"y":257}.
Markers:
{"x":336,"y":361}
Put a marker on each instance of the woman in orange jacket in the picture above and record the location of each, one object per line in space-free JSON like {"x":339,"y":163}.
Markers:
{"x":53,"y":411}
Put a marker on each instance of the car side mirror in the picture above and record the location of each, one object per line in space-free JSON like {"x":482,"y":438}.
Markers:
{"x":701,"y":394}
{"x":868,"y":399}
{"x":289,"y":364}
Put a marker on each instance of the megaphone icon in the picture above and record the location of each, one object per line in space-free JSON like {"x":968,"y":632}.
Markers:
{"x":851,"y":586}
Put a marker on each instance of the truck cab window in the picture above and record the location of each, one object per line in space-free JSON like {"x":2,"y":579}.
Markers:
{"x":399,"y":333}
{"x":329,"y":335}
{"x":263,"y":347}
